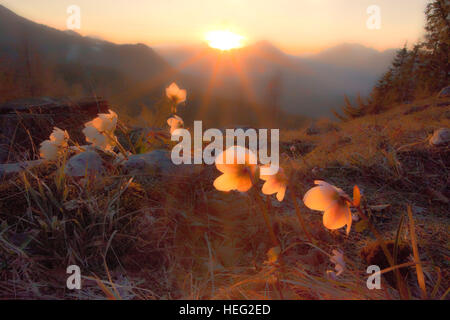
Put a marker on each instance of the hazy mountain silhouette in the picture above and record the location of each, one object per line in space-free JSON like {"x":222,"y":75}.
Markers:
{"x":355,"y":56}
{"x":17,"y":34}
{"x":310,"y":86}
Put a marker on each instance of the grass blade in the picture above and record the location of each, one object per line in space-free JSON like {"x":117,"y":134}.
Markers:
{"x":419,"y":270}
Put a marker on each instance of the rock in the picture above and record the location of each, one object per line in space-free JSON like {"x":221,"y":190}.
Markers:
{"x":11,"y":168}
{"x":158,"y":162}
{"x":88,"y":162}
{"x":444,"y":93}
{"x":440,"y":137}
{"x":154,"y":161}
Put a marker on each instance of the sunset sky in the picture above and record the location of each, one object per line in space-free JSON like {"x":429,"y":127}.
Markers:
{"x":296,"y":26}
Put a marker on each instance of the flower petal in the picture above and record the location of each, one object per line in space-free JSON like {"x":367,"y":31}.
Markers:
{"x":244,"y":183}
{"x":48,"y":150}
{"x":226,"y":182}
{"x":270,"y":187}
{"x":349,"y":222}
{"x":234,"y":153}
{"x":320,"y":198}
{"x":281,"y":193}
{"x":336,"y":216}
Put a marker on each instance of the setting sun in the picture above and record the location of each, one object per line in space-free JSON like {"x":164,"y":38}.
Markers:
{"x":224,"y":40}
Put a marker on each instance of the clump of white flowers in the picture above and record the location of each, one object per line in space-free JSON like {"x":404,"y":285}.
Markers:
{"x":100,"y":131}
{"x":52,"y":148}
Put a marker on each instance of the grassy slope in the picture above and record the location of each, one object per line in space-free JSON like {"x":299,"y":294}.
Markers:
{"x":180,"y":238}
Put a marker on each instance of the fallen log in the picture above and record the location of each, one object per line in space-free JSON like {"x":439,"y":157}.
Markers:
{"x":24,"y":124}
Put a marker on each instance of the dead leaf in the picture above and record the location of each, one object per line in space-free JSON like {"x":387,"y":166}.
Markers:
{"x":356,"y":196}
{"x":379,"y":207}
{"x":273,"y":254}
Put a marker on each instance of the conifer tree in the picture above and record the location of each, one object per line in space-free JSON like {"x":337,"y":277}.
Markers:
{"x":423,"y":69}
{"x":436,"y":44}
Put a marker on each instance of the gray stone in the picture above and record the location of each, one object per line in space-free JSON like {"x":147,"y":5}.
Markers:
{"x":158,"y":162}
{"x":12,"y":168}
{"x":153,"y":161}
{"x":440,"y":137}
{"x":88,"y":162}
{"x":444,"y":93}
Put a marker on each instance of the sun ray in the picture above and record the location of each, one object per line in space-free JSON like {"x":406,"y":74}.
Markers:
{"x":239,"y":68}
{"x":206,"y":99}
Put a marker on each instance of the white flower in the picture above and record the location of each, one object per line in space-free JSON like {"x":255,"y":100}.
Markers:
{"x":98,"y":139}
{"x":236,"y":176}
{"x":50,"y":149}
{"x":333,"y":202}
{"x":175,"y":94}
{"x":59,"y":137}
{"x":105,"y":122}
{"x":100,"y":131}
{"x":275,"y":183}
{"x":338,"y":259}
{"x":175,"y":123}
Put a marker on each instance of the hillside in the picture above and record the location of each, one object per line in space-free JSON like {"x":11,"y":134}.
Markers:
{"x":164,"y":236}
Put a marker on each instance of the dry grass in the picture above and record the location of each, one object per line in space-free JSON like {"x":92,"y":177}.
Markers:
{"x":154,"y":237}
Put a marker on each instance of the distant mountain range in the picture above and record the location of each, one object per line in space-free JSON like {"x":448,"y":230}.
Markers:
{"x":137,"y":61}
{"x":259,"y":74}
{"x":309,"y":86}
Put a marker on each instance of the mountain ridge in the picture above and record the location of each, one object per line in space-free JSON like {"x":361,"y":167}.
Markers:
{"x":137,"y":61}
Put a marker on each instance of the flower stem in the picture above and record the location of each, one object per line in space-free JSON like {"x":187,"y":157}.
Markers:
{"x":265,"y":214}
{"x":299,"y":214}
{"x":116,"y":141}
